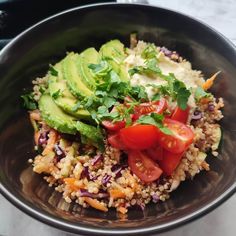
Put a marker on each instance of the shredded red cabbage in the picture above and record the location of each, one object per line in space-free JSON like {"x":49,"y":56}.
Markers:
{"x":96,"y":159}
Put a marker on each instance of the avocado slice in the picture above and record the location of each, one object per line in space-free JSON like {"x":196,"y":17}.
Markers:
{"x":87,"y":57}
{"x":64,"y":99}
{"x":64,"y":123}
{"x":114,"y":52}
{"x":92,"y":134}
{"x":55,"y":117}
{"x":73,"y":76}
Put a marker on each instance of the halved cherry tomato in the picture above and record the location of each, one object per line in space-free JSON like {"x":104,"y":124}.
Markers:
{"x":156,"y":153}
{"x":182,"y":136}
{"x":180,"y":115}
{"x":149,"y":107}
{"x":139,"y":137}
{"x":169,"y":162}
{"x":116,"y":142}
{"x":113,"y":126}
{"x":143,"y":166}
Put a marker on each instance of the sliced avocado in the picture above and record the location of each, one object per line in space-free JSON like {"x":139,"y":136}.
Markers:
{"x":55,"y":117}
{"x":62,"y":95}
{"x":92,"y":134}
{"x":114,"y":53}
{"x":73,"y":77}
{"x":218,"y":135}
{"x":88,"y":56}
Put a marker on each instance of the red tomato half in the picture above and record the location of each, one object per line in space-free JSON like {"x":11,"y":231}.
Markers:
{"x":180,"y":115}
{"x":115,"y":141}
{"x":169,"y":162}
{"x":113,"y":126}
{"x":156,"y":153}
{"x":139,"y":137}
{"x":149,"y":107}
{"x":144,"y":167}
{"x":181,"y":138}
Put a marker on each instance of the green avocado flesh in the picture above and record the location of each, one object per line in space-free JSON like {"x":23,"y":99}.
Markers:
{"x":73,"y":76}
{"x":73,"y":81}
{"x":64,"y":99}
{"x":114,"y":53}
{"x":55,"y":117}
{"x":87,"y":57}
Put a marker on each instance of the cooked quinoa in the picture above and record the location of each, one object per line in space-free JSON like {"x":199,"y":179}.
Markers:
{"x":92,"y":178}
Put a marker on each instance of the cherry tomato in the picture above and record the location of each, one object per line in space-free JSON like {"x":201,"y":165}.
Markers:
{"x":115,"y":141}
{"x":143,"y":166}
{"x":113,"y":126}
{"x":180,"y":115}
{"x":149,"y":107}
{"x":182,"y":136}
{"x":170,"y":161}
{"x":139,"y":137}
{"x":156,"y":153}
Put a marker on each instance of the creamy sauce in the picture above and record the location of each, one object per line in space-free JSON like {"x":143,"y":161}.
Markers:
{"x":182,"y":70}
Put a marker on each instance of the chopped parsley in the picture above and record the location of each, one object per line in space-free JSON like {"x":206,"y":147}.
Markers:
{"x":53,"y":71}
{"x":56,"y":94}
{"x":29,"y":102}
{"x":156,"y":120}
{"x":200,"y":93}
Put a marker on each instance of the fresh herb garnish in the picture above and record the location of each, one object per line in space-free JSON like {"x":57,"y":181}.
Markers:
{"x":156,"y":120}
{"x":174,"y":88}
{"x":200,"y":93}
{"x":149,"y":52}
{"x":100,"y":69}
{"x":53,"y":71}
{"x":149,"y":68}
{"x":29,"y":102}
{"x":56,"y":94}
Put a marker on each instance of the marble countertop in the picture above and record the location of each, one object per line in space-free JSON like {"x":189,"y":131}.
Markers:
{"x":220,"y":15}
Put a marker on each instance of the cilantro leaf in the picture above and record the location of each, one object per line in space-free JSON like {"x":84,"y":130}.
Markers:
{"x":156,"y":120}
{"x":149,"y":52}
{"x":53,"y":71}
{"x":29,"y":102}
{"x":149,"y":68}
{"x":100,"y":69}
{"x":200,"y":93}
{"x":56,"y":94}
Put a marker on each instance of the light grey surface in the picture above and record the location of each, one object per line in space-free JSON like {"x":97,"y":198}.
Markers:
{"x":219,"y":14}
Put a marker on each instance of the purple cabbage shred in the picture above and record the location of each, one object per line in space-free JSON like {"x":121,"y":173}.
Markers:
{"x":43,"y":138}
{"x":117,"y":170}
{"x":96,"y":159}
{"x":106,"y":179}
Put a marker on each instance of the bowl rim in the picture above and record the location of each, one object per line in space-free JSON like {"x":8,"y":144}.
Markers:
{"x":76,"y":227}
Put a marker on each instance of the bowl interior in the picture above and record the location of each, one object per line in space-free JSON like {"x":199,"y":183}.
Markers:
{"x":29,"y":56}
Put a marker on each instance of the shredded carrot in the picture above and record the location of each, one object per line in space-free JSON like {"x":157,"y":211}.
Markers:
{"x":73,"y":184}
{"x":51,"y":142}
{"x":116,"y":193}
{"x":209,"y":82}
{"x":36,"y":137}
{"x":95,"y":204}
{"x":122,"y":209}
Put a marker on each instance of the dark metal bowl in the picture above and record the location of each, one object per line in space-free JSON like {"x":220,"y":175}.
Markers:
{"x":28,"y":56}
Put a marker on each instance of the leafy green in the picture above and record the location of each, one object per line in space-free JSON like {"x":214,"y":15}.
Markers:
{"x":29,"y":102}
{"x":200,"y":93}
{"x":156,"y":120}
{"x":175,"y":88}
{"x":149,"y":52}
{"x":53,"y":71}
{"x":100,"y":69}
{"x":149,"y":68}
{"x":56,"y":94}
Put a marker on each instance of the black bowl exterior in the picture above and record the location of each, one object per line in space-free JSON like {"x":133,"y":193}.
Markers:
{"x":29,"y":55}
